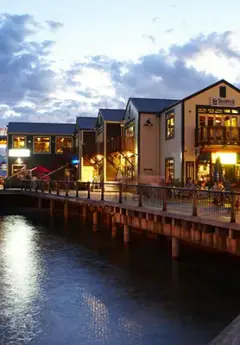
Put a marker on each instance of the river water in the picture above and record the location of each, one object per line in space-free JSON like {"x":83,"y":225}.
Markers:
{"x":64,"y":285}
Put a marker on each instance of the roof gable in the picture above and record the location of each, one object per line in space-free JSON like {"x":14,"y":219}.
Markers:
{"x":112,"y":114}
{"x":222,"y":81}
{"x":151,"y":105}
{"x":85,"y":122}
{"x":41,"y":128}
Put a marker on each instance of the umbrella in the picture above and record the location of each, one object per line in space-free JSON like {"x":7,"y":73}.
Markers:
{"x":218,"y":171}
{"x":40,"y":169}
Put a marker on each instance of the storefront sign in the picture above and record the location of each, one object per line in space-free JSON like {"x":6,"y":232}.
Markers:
{"x":19,"y":153}
{"x":222,"y":102}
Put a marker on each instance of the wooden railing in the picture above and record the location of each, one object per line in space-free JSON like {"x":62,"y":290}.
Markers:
{"x":217,"y":135}
{"x":204,"y":203}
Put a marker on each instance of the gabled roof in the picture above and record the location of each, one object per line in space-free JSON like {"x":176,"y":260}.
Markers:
{"x":41,"y":128}
{"x":222,"y":81}
{"x":112,"y":114}
{"x":85,"y":122}
{"x":151,"y":105}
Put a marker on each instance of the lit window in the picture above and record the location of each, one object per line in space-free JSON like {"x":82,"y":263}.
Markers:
{"x":169,"y":169}
{"x":19,"y":142}
{"x":41,"y":145}
{"x":170,"y":125}
{"x":63,"y":143}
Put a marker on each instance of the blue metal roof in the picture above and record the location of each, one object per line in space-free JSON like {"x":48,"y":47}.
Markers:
{"x":151,"y":105}
{"x":41,"y":128}
{"x":112,"y":114}
{"x":86,"y":122}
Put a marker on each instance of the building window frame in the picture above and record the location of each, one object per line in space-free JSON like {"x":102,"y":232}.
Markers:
{"x":168,"y":166}
{"x":170,"y":128}
{"x":65,"y":137}
{"x":19,"y":136}
{"x":42,"y":136}
{"x":222,"y":91}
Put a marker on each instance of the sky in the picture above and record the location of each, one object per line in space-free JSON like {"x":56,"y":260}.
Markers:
{"x":62,"y":59}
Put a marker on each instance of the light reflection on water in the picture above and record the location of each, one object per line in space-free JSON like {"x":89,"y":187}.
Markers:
{"x":56,"y":291}
{"x":20,"y":276}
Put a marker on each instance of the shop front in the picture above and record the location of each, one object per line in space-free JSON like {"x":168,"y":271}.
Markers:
{"x":229,"y":160}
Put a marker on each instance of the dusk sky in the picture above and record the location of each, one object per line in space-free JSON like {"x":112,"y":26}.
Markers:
{"x":65,"y":58}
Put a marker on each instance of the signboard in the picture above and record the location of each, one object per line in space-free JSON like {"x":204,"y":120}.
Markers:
{"x":19,"y":153}
{"x":222,"y":102}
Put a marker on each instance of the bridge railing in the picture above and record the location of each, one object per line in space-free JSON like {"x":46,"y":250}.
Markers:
{"x":205,"y":203}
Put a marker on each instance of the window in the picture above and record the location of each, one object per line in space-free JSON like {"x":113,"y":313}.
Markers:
{"x":222,"y":91}
{"x":19,"y":142}
{"x":169,"y":169}
{"x":170,"y":125}
{"x":41,"y":144}
{"x":63,"y":143}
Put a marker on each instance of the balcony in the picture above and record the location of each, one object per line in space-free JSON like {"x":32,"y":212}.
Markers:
{"x":120,"y":144}
{"x":217,"y":135}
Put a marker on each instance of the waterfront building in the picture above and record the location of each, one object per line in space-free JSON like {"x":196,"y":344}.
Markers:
{"x":87,"y":161}
{"x":38,"y":144}
{"x":199,"y":128}
{"x":109,"y":126}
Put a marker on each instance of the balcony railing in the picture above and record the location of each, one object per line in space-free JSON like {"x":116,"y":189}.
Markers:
{"x":120,"y":144}
{"x":217,"y":135}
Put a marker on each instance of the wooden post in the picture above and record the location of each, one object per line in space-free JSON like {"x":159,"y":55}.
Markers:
{"x":49,"y":187}
{"x":88,"y":190}
{"x":65,"y":211}
{"x":126,"y":233}
{"x":39,"y":203}
{"x":120,"y":193}
{"x":77,"y":186}
{"x":51,"y":207}
{"x":175,"y":248}
{"x":95,"y":221}
{"x":165,"y":190}
{"x":194,"y":204}
{"x":66,"y":187}
{"x":140,"y":191}
{"x":84,"y":212}
{"x":102,"y":191}
{"x":233,"y":209}
{"x":114,"y":227}
{"x":57,"y":188}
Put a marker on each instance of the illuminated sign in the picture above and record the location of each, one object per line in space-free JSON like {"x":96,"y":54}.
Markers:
{"x":225,"y":158}
{"x":3,"y":142}
{"x":222,"y":102}
{"x":75,"y":161}
{"x":19,"y":153}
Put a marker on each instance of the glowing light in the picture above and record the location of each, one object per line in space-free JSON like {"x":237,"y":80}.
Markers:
{"x":19,"y":153}
{"x":19,"y":161}
{"x":225,"y":157}
{"x":99,"y":157}
{"x":129,"y":154}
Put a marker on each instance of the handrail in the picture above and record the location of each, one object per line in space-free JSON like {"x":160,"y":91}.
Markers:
{"x":20,"y":171}
{"x":52,"y":172}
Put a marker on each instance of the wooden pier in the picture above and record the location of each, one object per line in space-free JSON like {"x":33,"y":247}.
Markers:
{"x":217,"y":234}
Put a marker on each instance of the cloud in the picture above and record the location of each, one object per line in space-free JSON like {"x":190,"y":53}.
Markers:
{"x":54,"y":26}
{"x":149,"y":38}
{"x":32,"y":89}
{"x":155,"y":19}
{"x":168,"y":31}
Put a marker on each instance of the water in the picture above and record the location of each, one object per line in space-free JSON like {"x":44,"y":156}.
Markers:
{"x":67,"y":286}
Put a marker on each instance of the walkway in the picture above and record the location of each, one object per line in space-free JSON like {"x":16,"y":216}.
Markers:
{"x":205,"y":207}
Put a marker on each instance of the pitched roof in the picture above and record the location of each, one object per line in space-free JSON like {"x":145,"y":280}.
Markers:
{"x":86,"y":122}
{"x":41,"y":128}
{"x":151,"y":105}
{"x":112,"y":114}
{"x":221,"y":81}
